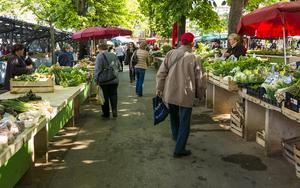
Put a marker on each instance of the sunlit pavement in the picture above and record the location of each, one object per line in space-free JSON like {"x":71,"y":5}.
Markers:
{"x":131,"y":152}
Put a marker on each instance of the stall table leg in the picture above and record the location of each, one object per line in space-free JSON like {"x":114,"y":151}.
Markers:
{"x":254,"y":120}
{"x":278,"y":127}
{"x":76,"y":110}
{"x":41,"y":145}
{"x":223,"y":100}
{"x":209,"y":95}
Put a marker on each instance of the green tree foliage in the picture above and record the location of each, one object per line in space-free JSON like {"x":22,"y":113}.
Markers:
{"x":254,"y":4}
{"x":76,"y":14}
{"x":162,"y":14}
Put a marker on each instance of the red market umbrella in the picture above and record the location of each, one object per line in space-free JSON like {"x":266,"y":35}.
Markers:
{"x":100,"y":33}
{"x":268,"y":22}
{"x":276,"y":21}
{"x":151,"y":40}
{"x":175,"y":35}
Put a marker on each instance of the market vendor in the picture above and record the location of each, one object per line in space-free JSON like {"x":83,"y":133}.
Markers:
{"x":236,"y":48}
{"x":16,"y":65}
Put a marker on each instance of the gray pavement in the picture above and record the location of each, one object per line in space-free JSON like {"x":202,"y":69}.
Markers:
{"x":130,"y":152}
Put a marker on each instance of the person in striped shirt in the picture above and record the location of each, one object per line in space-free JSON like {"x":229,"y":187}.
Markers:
{"x":140,"y":68}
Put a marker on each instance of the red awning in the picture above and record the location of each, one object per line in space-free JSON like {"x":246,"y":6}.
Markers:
{"x":100,"y":33}
{"x":268,"y":22}
{"x":151,"y":40}
{"x":175,"y":35}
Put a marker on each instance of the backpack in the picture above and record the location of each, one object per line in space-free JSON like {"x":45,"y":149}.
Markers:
{"x":108,"y":73}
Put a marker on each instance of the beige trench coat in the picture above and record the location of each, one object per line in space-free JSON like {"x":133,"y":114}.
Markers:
{"x":180,"y":78}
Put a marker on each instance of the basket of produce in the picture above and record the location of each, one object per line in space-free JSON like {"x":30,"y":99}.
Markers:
{"x":38,"y":83}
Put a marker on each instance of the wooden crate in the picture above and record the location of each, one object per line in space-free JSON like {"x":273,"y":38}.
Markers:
{"x":290,"y":113}
{"x":288,"y":148}
{"x":260,"y":138}
{"x":46,"y":86}
{"x":297,"y":159}
{"x":236,"y":124}
{"x":229,"y":84}
{"x":213,"y":78}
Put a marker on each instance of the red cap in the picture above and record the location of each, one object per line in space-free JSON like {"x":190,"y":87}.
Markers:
{"x":187,"y":38}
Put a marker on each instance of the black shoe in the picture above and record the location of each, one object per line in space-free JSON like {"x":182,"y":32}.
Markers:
{"x":104,"y":117}
{"x":115,"y":113}
{"x":183,"y":154}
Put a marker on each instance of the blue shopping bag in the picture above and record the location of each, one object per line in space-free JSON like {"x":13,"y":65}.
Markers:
{"x":160,"y":110}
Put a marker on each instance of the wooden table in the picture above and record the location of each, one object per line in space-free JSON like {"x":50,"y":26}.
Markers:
{"x":17,"y":158}
{"x":260,"y":115}
{"x":220,"y":98}
{"x":290,"y":59}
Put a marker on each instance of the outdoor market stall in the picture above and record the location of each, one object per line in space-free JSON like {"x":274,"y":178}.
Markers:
{"x":277,"y":21}
{"x":64,"y":102}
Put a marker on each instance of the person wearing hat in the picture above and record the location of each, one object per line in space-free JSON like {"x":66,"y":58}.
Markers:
{"x":16,"y":65}
{"x":141,"y":67}
{"x":178,"y":82}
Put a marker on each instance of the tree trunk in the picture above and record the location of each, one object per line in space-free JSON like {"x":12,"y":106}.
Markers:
{"x":235,"y":14}
{"x":181,"y":27}
{"x":52,"y":42}
{"x":81,"y":6}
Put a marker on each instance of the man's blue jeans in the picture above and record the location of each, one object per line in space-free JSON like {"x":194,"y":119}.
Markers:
{"x":140,"y":75}
{"x":180,"y":125}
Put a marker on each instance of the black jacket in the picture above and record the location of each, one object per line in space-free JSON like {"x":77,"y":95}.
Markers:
{"x":128,"y":56}
{"x":237,"y":51}
{"x":16,"y":66}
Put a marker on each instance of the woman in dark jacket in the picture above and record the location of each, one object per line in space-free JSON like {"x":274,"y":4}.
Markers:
{"x":236,"y":47}
{"x":104,"y":60}
{"x":16,"y":65}
{"x":129,"y":52}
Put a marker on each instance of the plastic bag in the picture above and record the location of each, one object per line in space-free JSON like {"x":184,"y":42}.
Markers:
{"x":99,"y":96}
{"x":160,"y":110}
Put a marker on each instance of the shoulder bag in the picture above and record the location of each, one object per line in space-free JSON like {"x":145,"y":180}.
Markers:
{"x":108,"y":73}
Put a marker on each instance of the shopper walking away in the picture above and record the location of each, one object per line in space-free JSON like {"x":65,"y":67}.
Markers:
{"x":120,"y":54}
{"x":128,"y":56}
{"x":140,"y":68}
{"x":16,"y":65}
{"x":106,"y":60}
{"x":179,"y":81}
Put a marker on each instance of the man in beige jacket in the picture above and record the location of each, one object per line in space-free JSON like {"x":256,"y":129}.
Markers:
{"x":178,"y":82}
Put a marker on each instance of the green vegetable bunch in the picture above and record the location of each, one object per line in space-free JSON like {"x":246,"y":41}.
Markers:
{"x":16,"y":105}
{"x":294,"y":89}
{"x":43,"y":70}
{"x":69,"y":77}
{"x":273,"y":87}
{"x":25,"y":77}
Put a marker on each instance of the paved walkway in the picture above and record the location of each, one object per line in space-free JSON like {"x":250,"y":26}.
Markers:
{"x":131,"y":153}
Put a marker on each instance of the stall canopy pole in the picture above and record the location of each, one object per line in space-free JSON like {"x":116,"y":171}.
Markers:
{"x":284,"y":45}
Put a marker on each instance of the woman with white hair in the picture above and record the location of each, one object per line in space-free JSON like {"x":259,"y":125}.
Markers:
{"x":236,"y":47}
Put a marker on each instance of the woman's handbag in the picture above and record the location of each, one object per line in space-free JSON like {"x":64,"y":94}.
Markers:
{"x":160,"y":110}
{"x":108,"y":73}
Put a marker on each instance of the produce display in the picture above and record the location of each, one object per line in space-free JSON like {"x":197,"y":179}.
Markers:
{"x":18,"y":114}
{"x":273,"y":52}
{"x":265,"y":80}
{"x":86,"y":63}
{"x":69,"y":77}
{"x":65,"y":76}
{"x":33,"y":77}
